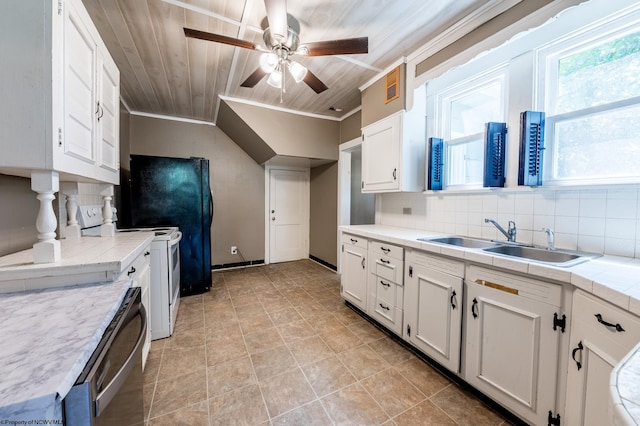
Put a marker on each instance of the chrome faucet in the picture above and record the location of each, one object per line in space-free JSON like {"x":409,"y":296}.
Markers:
{"x":510,"y":233}
{"x":550,"y":238}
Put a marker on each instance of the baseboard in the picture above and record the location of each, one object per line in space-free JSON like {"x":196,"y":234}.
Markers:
{"x":323,"y":263}
{"x":238,"y":264}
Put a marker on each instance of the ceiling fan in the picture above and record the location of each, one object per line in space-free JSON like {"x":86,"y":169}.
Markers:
{"x":281,"y":39}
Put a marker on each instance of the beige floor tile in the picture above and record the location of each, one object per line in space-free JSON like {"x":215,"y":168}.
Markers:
{"x":463,"y":408}
{"x":366,"y":331}
{"x":243,"y":406}
{"x":222,"y":350}
{"x":296,"y":330}
{"x":178,"y":361}
{"x":326,"y":324}
{"x":363,"y":362}
{"x":312,"y":414}
{"x":255,"y":323}
{"x":423,"y":376}
{"x":250,"y":310}
{"x":273,"y":362}
{"x":263,"y":340}
{"x":353,"y":406}
{"x":341,"y":339}
{"x":286,"y":391}
{"x":285,"y":316}
{"x":275,"y":305}
{"x":244,"y":299}
{"x":178,"y":392}
{"x":147,"y":397}
{"x":391,"y":351}
{"x":328,"y":375}
{"x":187,"y":338}
{"x":310,"y":350}
{"x":392,"y":391}
{"x":152,"y":367}
{"x":425,"y":413}
{"x":230,"y":375}
{"x":192,"y":415}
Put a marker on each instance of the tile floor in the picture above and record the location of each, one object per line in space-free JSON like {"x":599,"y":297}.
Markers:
{"x":276,"y":345}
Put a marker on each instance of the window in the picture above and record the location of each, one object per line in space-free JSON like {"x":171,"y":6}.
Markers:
{"x":464,"y":109}
{"x":591,"y":95}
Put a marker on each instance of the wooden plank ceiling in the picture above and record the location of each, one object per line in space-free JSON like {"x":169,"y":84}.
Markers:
{"x":163,"y":72}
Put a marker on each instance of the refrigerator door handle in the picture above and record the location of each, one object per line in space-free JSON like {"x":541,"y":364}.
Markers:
{"x":210,"y":208}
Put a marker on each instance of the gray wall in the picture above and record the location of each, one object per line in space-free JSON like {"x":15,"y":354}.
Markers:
{"x":18,"y":212}
{"x":237,"y":181}
{"x":374,"y":107}
{"x":351,"y":127}
{"x":323,"y":224}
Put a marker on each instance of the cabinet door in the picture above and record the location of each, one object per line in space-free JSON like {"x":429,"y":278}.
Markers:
{"x":354,"y":275}
{"x":380,"y":155}
{"x":511,"y":350}
{"x":79,"y":88}
{"x":433,"y":312}
{"x":108,"y":116}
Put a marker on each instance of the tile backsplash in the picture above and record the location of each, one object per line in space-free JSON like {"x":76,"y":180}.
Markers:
{"x":591,"y":220}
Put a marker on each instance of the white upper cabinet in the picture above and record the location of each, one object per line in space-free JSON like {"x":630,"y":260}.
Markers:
{"x":61,"y":94}
{"x":393,"y":151}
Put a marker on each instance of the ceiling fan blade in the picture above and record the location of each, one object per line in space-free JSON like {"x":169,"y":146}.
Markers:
{"x":277,"y":17}
{"x":344,"y":46}
{"x":218,"y":38}
{"x":254,"y":78}
{"x":314,"y":82}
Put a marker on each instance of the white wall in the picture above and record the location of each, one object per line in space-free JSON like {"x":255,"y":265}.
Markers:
{"x":593,"y":220}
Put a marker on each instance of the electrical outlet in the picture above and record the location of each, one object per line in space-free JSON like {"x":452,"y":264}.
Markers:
{"x":234,"y":250}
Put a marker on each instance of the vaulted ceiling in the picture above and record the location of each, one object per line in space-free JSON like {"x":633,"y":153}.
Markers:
{"x":163,"y":72}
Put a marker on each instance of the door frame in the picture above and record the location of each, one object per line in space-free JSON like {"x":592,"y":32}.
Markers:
{"x":267,"y":201}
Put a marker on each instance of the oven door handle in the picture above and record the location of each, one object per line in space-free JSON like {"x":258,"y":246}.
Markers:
{"x":104,"y":398}
{"x":175,"y":240}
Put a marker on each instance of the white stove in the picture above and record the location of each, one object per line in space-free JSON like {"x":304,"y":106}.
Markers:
{"x":165,"y":268}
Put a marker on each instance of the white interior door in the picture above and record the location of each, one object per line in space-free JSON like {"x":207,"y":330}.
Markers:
{"x":288,"y":215}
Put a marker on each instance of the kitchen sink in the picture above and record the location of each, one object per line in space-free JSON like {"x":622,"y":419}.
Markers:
{"x":557,"y":258}
{"x":460,"y":242}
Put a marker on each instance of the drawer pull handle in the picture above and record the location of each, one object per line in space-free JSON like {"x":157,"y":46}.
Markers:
{"x":474,"y":308}
{"x":383,"y":307}
{"x":618,"y":327}
{"x":131,"y":271}
{"x":386,"y":250}
{"x":147,"y":253}
{"x":362,"y":263}
{"x":385,"y":284}
{"x":385,"y":261}
{"x":353,"y":240}
{"x":573,"y":354}
{"x":453,"y":299}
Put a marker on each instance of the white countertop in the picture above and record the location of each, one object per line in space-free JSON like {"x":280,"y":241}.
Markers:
{"x":47,"y":338}
{"x":90,"y":256}
{"x":612,"y":278}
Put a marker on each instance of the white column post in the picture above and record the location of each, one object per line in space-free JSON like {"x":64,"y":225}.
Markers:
{"x":108,"y":229}
{"x":47,"y":249}
{"x":70,"y":190}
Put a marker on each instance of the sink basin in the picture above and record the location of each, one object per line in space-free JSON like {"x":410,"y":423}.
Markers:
{"x":460,"y":242}
{"x":558,"y":258}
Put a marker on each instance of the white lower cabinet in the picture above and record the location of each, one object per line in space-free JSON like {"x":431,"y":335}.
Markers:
{"x":601,"y":335}
{"x":512,"y":341}
{"x":433,"y":306}
{"x":139,"y":271}
{"x":385,"y":284}
{"x":353,"y":282}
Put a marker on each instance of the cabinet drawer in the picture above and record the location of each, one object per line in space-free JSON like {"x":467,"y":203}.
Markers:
{"x":354,"y":240}
{"x":606,"y":320}
{"x":386,"y":290}
{"x":389,"y":250}
{"x":386,"y":267}
{"x":387,"y":315}
{"x":138,"y":265}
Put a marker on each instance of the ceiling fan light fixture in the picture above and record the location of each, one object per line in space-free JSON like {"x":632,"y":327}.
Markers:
{"x":275,"y":79}
{"x":297,"y":70}
{"x":268,"y":62}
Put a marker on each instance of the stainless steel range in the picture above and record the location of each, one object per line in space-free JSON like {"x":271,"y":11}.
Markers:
{"x":165,"y":268}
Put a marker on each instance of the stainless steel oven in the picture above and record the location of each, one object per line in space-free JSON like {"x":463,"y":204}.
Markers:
{"x":109,"y":389}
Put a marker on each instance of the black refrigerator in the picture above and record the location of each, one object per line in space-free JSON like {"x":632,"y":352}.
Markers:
{"x":175,"y":192}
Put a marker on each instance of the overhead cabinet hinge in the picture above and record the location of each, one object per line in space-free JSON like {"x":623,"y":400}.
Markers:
{"x":59,"y":136}
{"x":559,"y":322}
{"x":411,"y":271}
{"x":553,"y":420}
{"x":408,"y":330}
{"x":59,"y":7}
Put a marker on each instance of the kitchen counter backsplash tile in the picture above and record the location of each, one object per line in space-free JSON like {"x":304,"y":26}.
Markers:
{"x":605,"y":221}
{"x":47,"y":338}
